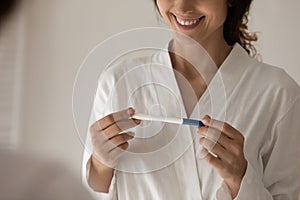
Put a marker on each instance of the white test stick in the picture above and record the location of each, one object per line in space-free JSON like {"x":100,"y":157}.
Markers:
{"x":173,"y":120}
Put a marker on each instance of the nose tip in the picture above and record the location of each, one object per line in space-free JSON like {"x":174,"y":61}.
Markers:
{"x":185,"y":12}
{"x":185,"y":7}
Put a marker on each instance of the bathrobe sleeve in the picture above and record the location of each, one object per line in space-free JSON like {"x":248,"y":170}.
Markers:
{"x":100,"y":109}
{"x":281,"y":171}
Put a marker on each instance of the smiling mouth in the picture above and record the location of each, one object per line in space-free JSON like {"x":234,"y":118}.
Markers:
{"x":188,"y":22}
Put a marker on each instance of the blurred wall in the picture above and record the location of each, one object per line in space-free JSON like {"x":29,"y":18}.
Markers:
{"x":277,"y":25}
{"x":60,"y":33}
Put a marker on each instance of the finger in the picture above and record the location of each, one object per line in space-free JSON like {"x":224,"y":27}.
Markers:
{"x":97,"y":136}
{"x":213,"y":161}
{"x":127,"y":124}
{"x":98,"y":139}
{"x":124,"y":114}
{"x":212,"y":146}
{"x":216,"y":149}
{"x":119,"y":127}
{"x":203,"y":153}
{"x":118,"y":151}
{"x":222,"y":126}
{"x":215,"y":136}
{"x":209,"y":132}
{"x":117,"y":140}
{"x":114,"y":117}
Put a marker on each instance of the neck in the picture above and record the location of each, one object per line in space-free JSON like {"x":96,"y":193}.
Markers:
{"x":193,"y":61}
{"x":216,"y":50}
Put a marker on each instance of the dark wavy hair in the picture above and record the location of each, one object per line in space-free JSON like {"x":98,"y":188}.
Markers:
{"x":235,"y":26}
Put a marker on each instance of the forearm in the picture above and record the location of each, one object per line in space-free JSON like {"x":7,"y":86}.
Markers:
{"x":100,"y":176}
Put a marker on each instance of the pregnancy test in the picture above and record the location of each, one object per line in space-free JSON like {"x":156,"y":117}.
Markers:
{"x":193,"y":122}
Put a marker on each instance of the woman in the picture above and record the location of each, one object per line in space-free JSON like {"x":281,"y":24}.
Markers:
{"x":255,"y":155}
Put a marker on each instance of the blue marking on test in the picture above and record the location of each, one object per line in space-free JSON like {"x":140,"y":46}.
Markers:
{"x":192,"y":122}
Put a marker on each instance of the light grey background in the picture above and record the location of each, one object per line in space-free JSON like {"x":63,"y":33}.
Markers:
{"x":60,"y":33}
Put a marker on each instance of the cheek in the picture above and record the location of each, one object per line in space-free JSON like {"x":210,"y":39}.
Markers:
{"x":222,"y":12}
{"x":164,"y":5}
{"x":217,"y":13}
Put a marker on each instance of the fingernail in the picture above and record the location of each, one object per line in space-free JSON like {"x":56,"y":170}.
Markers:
{"x":201,"y":140}
{"x":206,"y":119}
{"x":131,"y":133}
{"x":130,"y":111}
{"x":137,"y":121}
{"x":203,"y":153}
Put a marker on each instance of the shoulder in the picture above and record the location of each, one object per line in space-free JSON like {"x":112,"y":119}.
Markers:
{"x":124,"y":67}
{"x":262,"y":78}
{"x":126,"y":73}
{"x":275,"y":79}
{"x":127,"y":64}
{"x":133,"y":67}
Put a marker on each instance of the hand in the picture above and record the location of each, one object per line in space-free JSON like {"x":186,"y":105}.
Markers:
{"x":109,"y":142}
{"x":227,"y":144}
{"x":108,"y":139}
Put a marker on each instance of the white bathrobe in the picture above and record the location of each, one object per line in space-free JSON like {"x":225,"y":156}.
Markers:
{"x":259,"y":100}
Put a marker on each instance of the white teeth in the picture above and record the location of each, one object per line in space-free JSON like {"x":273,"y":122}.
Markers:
{"x":187,"y":23}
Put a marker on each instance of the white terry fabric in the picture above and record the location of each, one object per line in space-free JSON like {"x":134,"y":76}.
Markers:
{"x":262,"y":102}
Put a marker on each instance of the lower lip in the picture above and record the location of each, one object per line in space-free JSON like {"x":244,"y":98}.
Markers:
{"x":190,"y":27}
